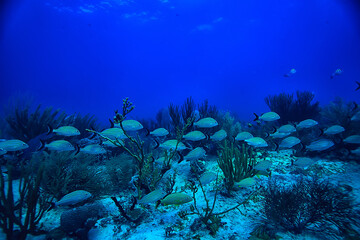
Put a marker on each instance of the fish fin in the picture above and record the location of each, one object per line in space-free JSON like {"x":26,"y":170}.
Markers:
{"x":42,"y":146}
{"x":111,"y":123}
{"x":256,"y":117}
{"x":157,"y":144}
{"x":147,"y":132}
{"x":358,"y":87}
{"x":321,"y":132}
{"x":207,"y":137}
{"x":234,"y":139}
{"x":181,"y":157}
{"x":77,"y":149}
{"x":50,"y":129}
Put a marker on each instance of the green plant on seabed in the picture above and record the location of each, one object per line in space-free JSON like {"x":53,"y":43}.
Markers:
{"x":148,"y":176}
{"x":27,"y":211}
{"x":235,"y":164}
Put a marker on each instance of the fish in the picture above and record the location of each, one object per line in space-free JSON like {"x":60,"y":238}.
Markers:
{"x":195,"y":154}
{"x":194,"y":136}
{"x":207,"y":177}
{"x":176,"y":199}
{"x":308,"y":123}
{"x":206,"y":123}
{"x":279,"y":135}
{"x":246,"y":182}
{"x":320,"y":145}
{"x":171,"y":144}
{"x":303,"y":162}
{"x":335,"y":129}
{"x":219,"y":135}
{"x":263,"y":165}
{"x":289,"y":142}
{"x":256,"y":142}
{"x":113,"y":133}
{"x":243,"y":136}
{"x":336,"y":73}
{"x":73,"y":198}
{"x":107,"y":143}
{"x":288,"y":128}
{"x":267,"y":117}
{"x":356,"y":151}
{"x":354,"y":139}
{"x":2,"y":151}
{"x":152,"y":197}
{"x":93,"y":149}
{"x":13,"y":145}
{"x":66,"y":131}
{"x":159,"y":132}
{"x":290,"y":73}
{"x":130,"y":125}
{"x":57,"y":145}
{"x":356,"y":117}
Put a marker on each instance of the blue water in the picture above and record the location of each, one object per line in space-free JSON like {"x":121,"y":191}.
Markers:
{"x":85,"y":56}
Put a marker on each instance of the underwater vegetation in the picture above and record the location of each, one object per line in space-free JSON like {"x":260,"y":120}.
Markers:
{"x":293,"y":109}
{"x":309,"y":204}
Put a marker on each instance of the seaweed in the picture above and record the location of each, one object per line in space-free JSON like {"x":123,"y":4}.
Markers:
{"x":235,"y":164}
{"x":180,"y":115}
{"x":120,"y":169}
{"x":293,"y":110}
{"x":207,"y":110}
{"x":26,"y":125}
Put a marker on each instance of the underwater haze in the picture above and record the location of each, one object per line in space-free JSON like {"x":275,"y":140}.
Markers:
{"x":85,"y":56}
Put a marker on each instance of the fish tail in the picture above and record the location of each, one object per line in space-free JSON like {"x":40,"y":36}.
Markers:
{"x":52,"y":206}
{"x":157,"y":144}
{"x":147,"y":132}
{"x":42,"y":146}
{"x":111,"y":123}
{"x":277,"y":146}
{"x":358,"y":83}
{"x":77,"y":149}
{"x":50,"y":129}
{"x":181,"y":157}
{"x":256,"y":117}
{"x":267,"y":134}
{"x":321,"y":132}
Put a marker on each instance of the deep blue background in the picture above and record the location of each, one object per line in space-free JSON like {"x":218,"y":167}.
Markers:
{"x":85,"y":56}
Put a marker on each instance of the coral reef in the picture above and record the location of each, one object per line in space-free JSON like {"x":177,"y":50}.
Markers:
{"x":293,"y":110}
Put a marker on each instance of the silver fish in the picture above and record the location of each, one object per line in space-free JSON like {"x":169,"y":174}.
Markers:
{"x":130,"y":125}
{"x":73,"y":198}
{"x":114,"y":133}
{"x":176,"y":199}
{"x":93,"y":149}
{"x":171,"y":144}
{"x":320,"y":145}
{"x":288,"y":128}
{"x":354,"y":139}
{"x":308,"y":123}
{"x":152,"y":197}
{"x":303,"y":162}
{"x":256,"y":142}
{"x":13,"y":145}
{"x":159,"y":132}
{"x":219,"y":135}
{"x":289,"y":142}
{"x":279,"y":135}
{"x":243,"y":136}
{"x":195,"y":154}
{"x":246,"y":182}
{"x":267,"y":117}
{"x":207,"y":177}
{"x":66,"y":131}
{"x":60,"y":145}
{"x":263,"y":165}
{"x":194,"y":136}
{"x":334,"y":130}
{"x":206,"y":123}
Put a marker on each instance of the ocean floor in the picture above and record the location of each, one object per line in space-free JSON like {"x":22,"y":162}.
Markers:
{"x":164,"y":222}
